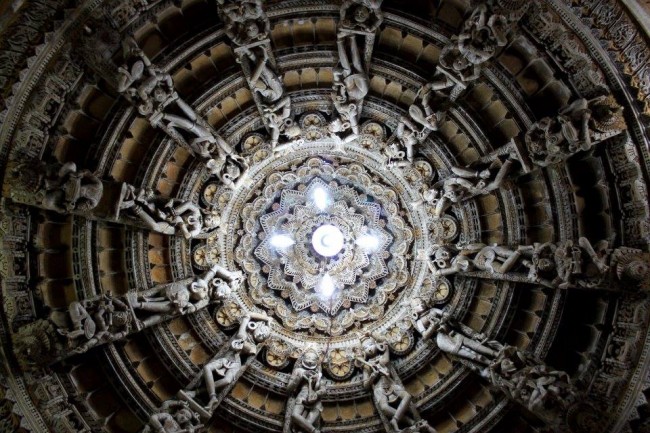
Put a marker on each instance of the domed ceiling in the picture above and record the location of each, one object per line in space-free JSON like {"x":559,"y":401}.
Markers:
{"x":324,"y":216}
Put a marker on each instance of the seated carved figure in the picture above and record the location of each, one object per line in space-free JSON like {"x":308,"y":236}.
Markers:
{"x":244,"y":20}
{"x":70,"y":190}
{"x":578,"y":127}
{"x":361,"y":15}
{"x":174,"y":417}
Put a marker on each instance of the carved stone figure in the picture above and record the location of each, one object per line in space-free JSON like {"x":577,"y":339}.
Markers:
{"x":350,"y":83}
{"x":253,"y":330}
{"x":245,"y":20}
{"x":175,"y":217}
{"x":71,"y":190}
{"x":263,"y":79}
{"x":361,"y":15}
{"x":392,"y":400}
{"x":277,"y":118}
{"x":305,"y":385}
{"x":483,"y":32}
{"x":182,"y":297}
{"x":466,"y":183}
{"x":578,"y":127}
{"x":98,"y":320}
{"x":429,"y":108}
{"x":147,"y":87}
{"x":452,"y":337}
{"x":174,"y":416}
{"x":350,"y":80}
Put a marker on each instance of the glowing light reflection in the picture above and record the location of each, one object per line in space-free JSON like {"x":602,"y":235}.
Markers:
{"x":326,"y":286}
{"x":281,"y":241}
{"x":368,"y":242}
{"x":321,"y":198}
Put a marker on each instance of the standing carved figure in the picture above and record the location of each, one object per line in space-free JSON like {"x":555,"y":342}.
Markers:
{"x":263,"y":79}
{"x":389,"y":394}
{"x":252,"y":331}
{"x":305,"y":384}
{"x":146,"y":86}
{"x":98,"y":320}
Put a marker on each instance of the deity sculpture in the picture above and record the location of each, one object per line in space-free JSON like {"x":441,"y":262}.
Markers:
{"x":174,"y":417}
{"x":578,"y":127}
{"x":452,"y":337}
{"x":98,"y":320}
{"x":174,"y":217}
{"x":466,"y":183}
{"x":182,"y":297}
{"x":305,"y":386}
{"x":252,"y":331}
{"x":390,"y":396}
{"x":143,"y":84}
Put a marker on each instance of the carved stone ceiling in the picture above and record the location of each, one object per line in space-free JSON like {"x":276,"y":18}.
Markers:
{"x":324,"y":216}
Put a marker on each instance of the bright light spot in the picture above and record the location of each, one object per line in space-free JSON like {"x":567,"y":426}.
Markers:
{"x":326,"y":286}
{"x":368,"y":242}
{"x":281,"y":241}
{"x":321,"y":198}
{"x":327,"y":240}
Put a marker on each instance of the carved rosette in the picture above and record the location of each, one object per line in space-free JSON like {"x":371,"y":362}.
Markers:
{"x":288,"y":283}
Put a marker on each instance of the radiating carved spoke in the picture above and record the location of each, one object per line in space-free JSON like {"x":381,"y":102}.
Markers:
{"x":248,"y":28}
{"x":106,"y":319}
{"x":520,"y":376}
{"x":563,"y":265}
{"x":63,"y":188}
